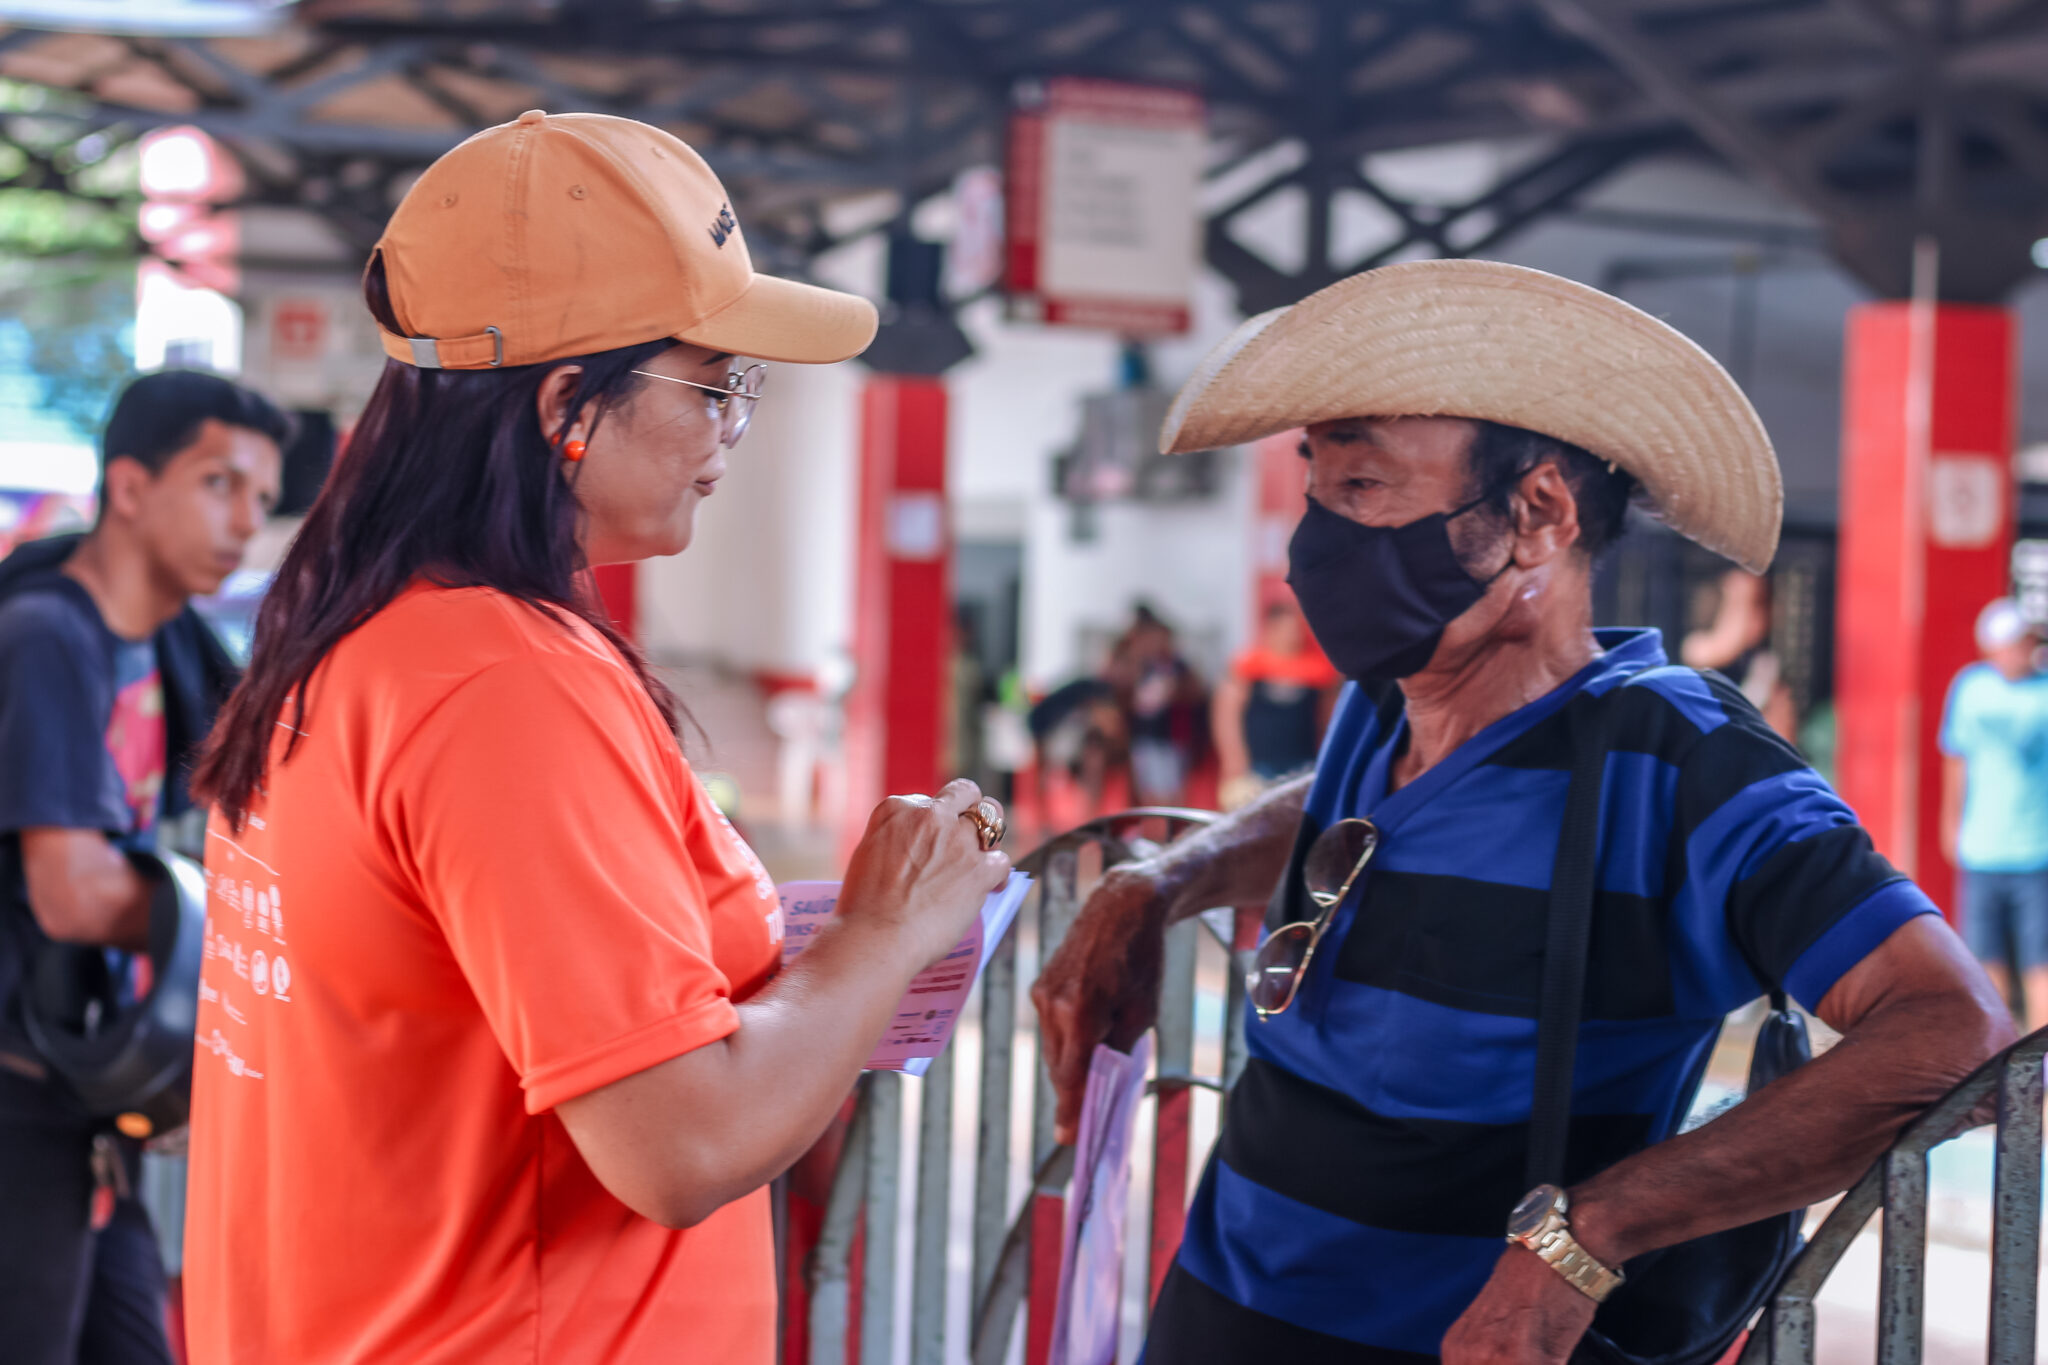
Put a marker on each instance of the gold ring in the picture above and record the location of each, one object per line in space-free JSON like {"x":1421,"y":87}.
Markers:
{"x":987,"y":818}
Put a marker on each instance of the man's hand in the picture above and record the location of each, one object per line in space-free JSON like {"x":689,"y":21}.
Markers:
{"x":1103,"y":983}
{"x":1527,"y":1314}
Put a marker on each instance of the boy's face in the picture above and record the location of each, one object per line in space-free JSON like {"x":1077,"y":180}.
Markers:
{"x":196,"y":515}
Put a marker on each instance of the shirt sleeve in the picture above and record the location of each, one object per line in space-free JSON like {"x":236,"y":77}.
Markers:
{"x":1782,"y":884}
{"x":542,"y":821}
{"x":1958,"y":724}
{"x":54,"y":767}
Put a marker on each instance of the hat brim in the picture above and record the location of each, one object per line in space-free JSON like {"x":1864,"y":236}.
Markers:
{"x":789,"y":322}
{"x":1503,"y":343}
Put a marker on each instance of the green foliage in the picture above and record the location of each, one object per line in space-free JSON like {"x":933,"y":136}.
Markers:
{"x":52,"y":223}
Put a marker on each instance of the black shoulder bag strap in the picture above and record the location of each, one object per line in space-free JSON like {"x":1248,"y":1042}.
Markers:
{"x":1570,"y":931}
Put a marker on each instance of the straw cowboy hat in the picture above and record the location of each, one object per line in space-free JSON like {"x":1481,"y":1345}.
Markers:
{"x":1503,"y":343}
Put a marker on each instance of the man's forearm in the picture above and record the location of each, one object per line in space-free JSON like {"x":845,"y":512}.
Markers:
{"x":1802,"y":1139}
{"x":1235,"y":861}
{"x":81,"y":889}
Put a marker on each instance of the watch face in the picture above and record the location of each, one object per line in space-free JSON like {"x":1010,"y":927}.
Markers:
{"x":1530,"y":1213}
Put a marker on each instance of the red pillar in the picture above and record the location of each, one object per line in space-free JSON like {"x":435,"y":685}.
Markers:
{"x":1926,"y":540}
{"x":896,"y":714}
{"x":617,"y":588}
{"x":1283,"y":497}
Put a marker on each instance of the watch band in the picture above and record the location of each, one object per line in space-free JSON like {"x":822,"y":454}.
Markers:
{"x":1553,"y":1243}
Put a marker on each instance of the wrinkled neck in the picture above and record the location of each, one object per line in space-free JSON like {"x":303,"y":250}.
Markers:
{"x":1543,"y":639}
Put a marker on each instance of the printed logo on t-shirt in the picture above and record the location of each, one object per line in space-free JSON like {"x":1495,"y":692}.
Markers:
{"x":247,"y":967}
{"x":135,"y":740}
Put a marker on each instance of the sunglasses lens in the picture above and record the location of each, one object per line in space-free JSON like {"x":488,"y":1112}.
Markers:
{"x":1277,"y":970}
{"x":1335,"y":856}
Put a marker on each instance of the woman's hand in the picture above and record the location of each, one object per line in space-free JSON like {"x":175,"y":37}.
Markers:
{"x":921,"y":872}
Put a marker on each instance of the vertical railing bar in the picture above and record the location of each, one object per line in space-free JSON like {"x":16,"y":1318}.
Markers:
{"x":831,"y":1257}
{"x":933,"y":1222}
{"x":1902,"y":1277}
{"x":1171,"y":1126}
{"x":1058,"y":904}
{"x":992,"y":1136}
{"x":878,"y":1262}
{"x":1791,"y":1335}
{"x":2016,"y":1214}
{"x":1045,"y":1210}
{"x":1242,"y":945}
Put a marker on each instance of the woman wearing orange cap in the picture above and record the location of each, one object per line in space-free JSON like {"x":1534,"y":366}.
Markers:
{"x":494,"y":1057}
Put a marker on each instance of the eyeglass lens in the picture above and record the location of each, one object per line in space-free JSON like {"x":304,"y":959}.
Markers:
{"x":736,"y":409}
{"x":1333,"y":863}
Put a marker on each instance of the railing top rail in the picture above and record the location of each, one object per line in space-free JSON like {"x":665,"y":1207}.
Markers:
{"x":1111,"y":829}
{"x":1949,"y":1116}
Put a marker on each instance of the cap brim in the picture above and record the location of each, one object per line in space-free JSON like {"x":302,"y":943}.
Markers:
{"x":782,"y":320}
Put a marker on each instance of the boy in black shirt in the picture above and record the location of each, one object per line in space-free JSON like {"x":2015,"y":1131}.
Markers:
{"x":108,"y":682}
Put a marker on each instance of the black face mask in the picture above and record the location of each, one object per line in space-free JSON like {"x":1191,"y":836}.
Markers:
{"x":1378,"y":597}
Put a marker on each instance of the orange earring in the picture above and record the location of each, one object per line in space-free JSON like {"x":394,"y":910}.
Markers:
{"x":572,"y":451}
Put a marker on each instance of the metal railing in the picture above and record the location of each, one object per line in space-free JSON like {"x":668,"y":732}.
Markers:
{"x":852,"y":1313}
{"x":1896,"y":1187}
{"x":845,"y":1287}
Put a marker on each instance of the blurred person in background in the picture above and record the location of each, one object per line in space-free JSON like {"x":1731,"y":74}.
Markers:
{"x":108,"y":683}
{"x":1736,"y":643}
{"x":1268,"y":714}
{"x":496,"y":1055}
{"x":1994,"y":805}
{"x":1160,"y":698}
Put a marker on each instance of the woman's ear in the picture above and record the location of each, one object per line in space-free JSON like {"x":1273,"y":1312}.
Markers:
{"x":551,"y":405}
{"x":1546,"y":516}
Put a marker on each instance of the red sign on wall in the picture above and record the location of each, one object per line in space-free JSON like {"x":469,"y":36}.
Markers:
{"x":1104,"y":224}
{"x":298,"y":329}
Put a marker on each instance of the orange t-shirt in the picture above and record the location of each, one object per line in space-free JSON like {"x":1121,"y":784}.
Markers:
{"x":486,"y":883}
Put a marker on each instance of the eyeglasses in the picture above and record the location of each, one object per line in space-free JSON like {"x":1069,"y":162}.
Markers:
{"x":735,"y":402}
{"x":1334,"y":861}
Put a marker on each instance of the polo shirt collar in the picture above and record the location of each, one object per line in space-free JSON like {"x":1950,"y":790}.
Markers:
{"x":1625,"y":652}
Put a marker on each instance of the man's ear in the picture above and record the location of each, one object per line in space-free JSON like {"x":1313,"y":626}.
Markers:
{"x":127,"y":483}
{"x":1546,"y":516}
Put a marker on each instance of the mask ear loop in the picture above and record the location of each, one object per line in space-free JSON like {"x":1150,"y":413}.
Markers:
{"x":1456,"y":512}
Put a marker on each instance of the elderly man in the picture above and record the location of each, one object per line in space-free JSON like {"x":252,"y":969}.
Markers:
{"x":1475,"y":434}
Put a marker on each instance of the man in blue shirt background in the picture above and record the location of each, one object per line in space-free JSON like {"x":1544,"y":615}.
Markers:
{"x":1994,"y":792}
{"x":108,"y":683}
{"x":1378,"y":1141}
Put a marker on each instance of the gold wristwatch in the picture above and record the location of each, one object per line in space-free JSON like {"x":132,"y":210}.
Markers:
{"x":1539,"y":1223}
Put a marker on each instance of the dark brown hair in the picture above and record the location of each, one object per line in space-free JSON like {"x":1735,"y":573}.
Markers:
{"x":447,"y":478}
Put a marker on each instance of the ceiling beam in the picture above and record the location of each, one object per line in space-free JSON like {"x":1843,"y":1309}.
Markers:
{"x":1607,"y":28}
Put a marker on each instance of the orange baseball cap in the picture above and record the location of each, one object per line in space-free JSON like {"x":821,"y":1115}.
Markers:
{"x":559,"y":235}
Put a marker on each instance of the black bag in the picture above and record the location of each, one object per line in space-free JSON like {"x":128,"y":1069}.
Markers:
{"x":1684,"y":1304}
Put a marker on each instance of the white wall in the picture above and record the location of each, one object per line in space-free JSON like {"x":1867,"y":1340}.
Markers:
{"x":767,"y":582}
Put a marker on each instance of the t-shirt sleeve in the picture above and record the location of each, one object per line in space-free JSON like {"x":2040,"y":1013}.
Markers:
{"x":54,"y":768}
{"x":1782,"y":884}
{"x":540,"y":817}
{"x":1958,"y":719}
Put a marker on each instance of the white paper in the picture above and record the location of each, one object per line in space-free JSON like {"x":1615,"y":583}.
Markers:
{"x":1087,"y":1313}
{"x":930,"y":1010}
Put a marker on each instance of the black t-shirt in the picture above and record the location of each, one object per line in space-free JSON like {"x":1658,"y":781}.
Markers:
{"x":82,"y":746}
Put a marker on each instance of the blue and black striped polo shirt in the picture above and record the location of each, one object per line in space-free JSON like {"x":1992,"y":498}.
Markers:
{"x":1376,"y":1142}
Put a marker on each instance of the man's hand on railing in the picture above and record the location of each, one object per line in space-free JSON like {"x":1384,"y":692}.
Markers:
{"x":1102,"y":985}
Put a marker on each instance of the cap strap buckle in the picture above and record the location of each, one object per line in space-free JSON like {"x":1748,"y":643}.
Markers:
{"x":448,"y":353}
